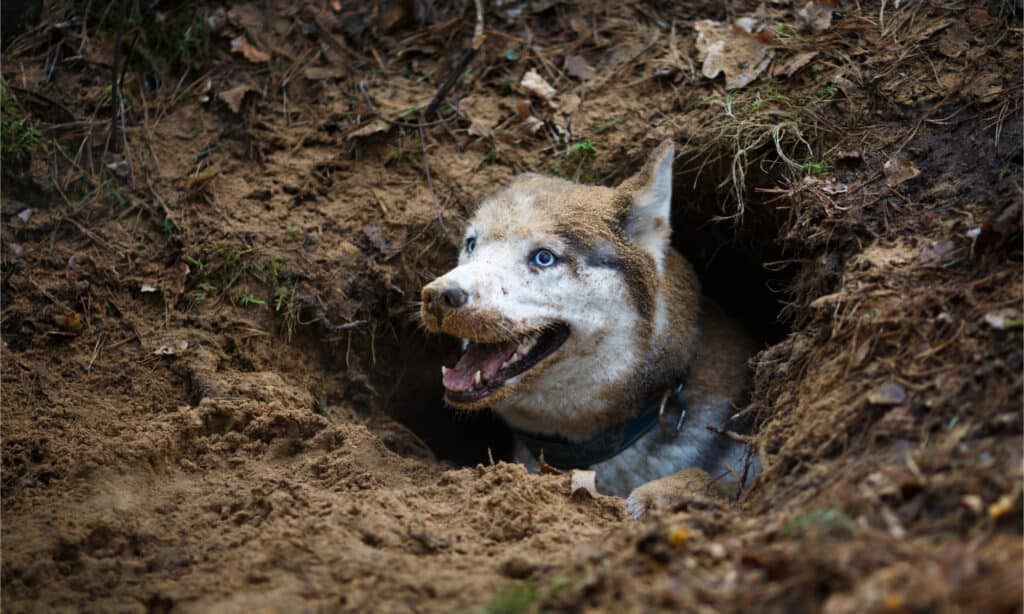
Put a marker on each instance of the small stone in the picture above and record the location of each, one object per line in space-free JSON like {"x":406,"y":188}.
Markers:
{"x":888,"y":394}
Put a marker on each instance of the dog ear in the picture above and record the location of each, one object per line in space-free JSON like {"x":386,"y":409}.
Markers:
{"x":649,"y":193}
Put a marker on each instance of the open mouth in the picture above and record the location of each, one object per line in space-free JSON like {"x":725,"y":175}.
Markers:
{"x":484,"y":368}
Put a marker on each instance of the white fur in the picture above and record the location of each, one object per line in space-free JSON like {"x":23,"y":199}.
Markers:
{"x":601,"y":350}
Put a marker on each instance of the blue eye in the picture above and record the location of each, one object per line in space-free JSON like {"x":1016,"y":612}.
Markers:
{"x":470,"y":245}
{"x":543,"y":258}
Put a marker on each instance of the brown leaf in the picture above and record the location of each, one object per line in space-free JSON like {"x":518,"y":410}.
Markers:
{"x":535,"y":84}
{"x":241,"y":45}
{"x":817,"y":15}
{"x":898,"y":170}
{"x":936,"y":252}
{"x":374,"y":127}
{"x":235,"y":96}
{"x":732,"y":50}
{"x":577,"y":66}
{"x":794,"y":63}
{"x":955,"y":41}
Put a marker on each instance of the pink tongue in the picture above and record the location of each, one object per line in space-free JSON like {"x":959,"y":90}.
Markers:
{"x":486,"y":358}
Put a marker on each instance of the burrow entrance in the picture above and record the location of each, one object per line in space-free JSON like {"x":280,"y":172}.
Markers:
{"x":741,"y":264}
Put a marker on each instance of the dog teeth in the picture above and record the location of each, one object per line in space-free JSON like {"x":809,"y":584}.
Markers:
{"x":477,"y":378}
{"x":526,"y":346}
{"x":444,"y":370}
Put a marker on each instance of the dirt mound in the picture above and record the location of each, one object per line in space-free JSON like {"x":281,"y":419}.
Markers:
{"x":216,"y":395}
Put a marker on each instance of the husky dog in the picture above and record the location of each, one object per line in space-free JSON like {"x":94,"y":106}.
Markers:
{"x":587,"y":333}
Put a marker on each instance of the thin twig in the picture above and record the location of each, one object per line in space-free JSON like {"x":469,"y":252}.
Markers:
{"x":478,"y":41}
{"x":733,"y":435}
{"x":114,"y":93}
{"x":430,"y":182}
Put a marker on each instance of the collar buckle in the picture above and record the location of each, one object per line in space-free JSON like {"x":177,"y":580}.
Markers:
{"x":675,"y":395}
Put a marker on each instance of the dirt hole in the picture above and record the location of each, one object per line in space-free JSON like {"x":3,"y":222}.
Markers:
{"x":729,"y":254}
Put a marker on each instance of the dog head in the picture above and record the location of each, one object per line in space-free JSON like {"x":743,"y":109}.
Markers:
{"x":556,"y":287}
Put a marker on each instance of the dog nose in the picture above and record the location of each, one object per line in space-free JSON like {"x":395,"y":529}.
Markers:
{"x":442,"y":296}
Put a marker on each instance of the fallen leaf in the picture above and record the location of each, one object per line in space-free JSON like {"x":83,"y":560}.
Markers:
{"x":374,"y":127}
{"x":818,"y":16}
{"x":535,"y":84}
{"x":732,"y":50}
{"x":583,"y":481}
{"x":241,"y":45}
{"x":569,"y":104}
{"x":171,"y":347}
{"x":577,"y":66}
{"x":25,"y":214}
{"x":936,"y":252}
{"x":235,"y":96}
{"x":793,"y":63}
{"x":483,"y":114}
{"x":532,"y":125}
{"x":888,"y":394}
{"x":898,"y":171}
{"x":955,"y":41}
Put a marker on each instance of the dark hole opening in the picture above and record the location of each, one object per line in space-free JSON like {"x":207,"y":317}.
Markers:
{"x":728,"y":256}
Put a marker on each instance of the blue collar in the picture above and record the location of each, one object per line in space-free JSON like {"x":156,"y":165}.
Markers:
{"x":563,"y":454}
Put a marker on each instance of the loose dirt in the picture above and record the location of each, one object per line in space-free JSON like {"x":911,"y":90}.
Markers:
{"x":216,"y":396}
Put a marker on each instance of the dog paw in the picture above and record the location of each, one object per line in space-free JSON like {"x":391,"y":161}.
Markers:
{"x":690,"y":488}
{"x":636,"y":505}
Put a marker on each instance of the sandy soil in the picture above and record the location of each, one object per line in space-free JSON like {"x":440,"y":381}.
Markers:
{"x":215,"y":395}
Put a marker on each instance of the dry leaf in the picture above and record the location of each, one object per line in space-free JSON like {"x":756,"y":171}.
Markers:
{"x":535,"y":84}
{"x":794,"y":63}
{"x":732,"y":50}
{"x":818,"y":16}
{"x":577,"y":66}
{"x":898,"y":171}
{"x":584,"y":481}
{"x":374,"y":127}
{"x":235,"y":96}
{"x":569,"y":104}
{"x":532,"y":125}
{"x":955,"y":41}
{"x":243,"y":46}
{"x":483,"y":114}
{"x":936,"y":252}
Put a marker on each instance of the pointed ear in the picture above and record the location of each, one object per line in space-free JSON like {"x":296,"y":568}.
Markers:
{"x":650,"y":191}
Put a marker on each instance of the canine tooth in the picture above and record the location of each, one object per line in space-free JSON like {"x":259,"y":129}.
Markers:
{"x":477,"y":378}
{"x":444,"y":370}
